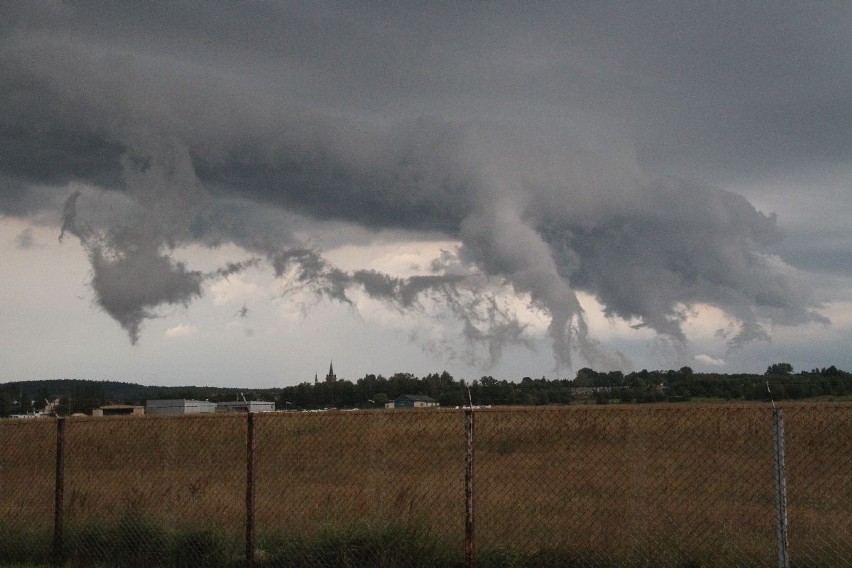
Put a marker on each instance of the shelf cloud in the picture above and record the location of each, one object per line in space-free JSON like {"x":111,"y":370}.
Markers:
{"x":567,"y":149}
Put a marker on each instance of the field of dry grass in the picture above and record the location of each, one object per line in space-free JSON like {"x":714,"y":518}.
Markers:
{"x":662,"y":484}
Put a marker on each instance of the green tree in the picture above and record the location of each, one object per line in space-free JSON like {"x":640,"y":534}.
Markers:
{"x":779,"y":369}
{"x":585,"y":377}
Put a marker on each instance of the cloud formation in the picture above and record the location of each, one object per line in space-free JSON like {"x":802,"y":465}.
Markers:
{"x":566,"y":148}
{"x":181,"y":330}
{"x":709,"y":361}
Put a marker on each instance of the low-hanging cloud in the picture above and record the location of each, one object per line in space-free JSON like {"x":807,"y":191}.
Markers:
{"x":131,"y":275}
{"x":542,"y":169}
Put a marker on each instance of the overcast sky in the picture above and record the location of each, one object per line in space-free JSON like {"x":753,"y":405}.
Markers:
{"x":236,"y":194}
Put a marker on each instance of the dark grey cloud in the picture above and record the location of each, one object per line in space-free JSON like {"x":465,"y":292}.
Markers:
{"x":70,"y":223}
{"x":25,"y":239}
{"x":401,"y":291}
{"x":683,"y":244}
{"x":570,"y":147}
{"x":131,"y":286}
{"x":131,"y":273}
{"x":485,"y":320}
{"x":745,"y":89}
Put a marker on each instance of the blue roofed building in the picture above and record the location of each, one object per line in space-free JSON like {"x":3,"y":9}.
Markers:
{"x":414,"y":401}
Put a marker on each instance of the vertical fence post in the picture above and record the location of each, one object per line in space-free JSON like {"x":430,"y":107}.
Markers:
{"x":59,"y":494}
{"x":780,"y":490}
{"x":250,"y":489}
{"x":469,"y":550}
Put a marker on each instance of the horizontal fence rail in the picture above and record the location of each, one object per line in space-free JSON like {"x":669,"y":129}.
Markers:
{"x":624,"y":485}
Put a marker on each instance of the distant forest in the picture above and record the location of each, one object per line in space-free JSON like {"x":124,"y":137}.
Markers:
{"x":373,"y":391}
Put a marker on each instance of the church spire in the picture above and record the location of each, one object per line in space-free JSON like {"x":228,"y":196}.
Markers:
{"x":330,"y":377}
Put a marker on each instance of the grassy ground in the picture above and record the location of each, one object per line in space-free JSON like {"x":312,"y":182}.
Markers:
{"x":667,"y":485}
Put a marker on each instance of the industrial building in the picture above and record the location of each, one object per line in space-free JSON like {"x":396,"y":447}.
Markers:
{"x":413,"y":401}
{"x":118,"y":410}
{"x":245,"y":406}
{"x":178,"y":406}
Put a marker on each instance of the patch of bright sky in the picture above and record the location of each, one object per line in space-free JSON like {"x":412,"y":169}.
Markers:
{"x":287,"y":339}
{"x":181,"y":330}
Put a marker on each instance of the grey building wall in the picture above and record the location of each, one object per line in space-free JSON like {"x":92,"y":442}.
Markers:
{"x":178,"y":406}
{"x":250,"y":406}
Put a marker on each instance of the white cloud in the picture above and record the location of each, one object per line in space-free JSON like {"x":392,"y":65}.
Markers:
{"x":232,"y":290}
{"x":704,"y":321}
{"x":605,"y":328}
{"x":401,"y":259}
{"x":708,"y":360}
{"x":840,"y":314}
{"x":181,"y":330}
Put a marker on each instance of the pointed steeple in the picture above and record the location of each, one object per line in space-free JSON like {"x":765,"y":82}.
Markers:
{"x":330,"y":377}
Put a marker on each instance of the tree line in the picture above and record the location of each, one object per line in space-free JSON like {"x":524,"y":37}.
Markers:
{"x":779,"y":381}
{"x":374,"y":391}
{"x":377,"y":390}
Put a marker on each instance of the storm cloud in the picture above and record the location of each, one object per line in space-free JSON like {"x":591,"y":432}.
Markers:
{"x":567,"y":149}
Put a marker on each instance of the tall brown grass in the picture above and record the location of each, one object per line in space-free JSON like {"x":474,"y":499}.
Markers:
{"x":657,"y":484}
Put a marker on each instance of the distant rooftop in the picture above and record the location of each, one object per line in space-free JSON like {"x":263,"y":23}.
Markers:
{"x":417,"y":398}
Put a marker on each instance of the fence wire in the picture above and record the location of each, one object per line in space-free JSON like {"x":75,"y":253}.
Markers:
{"x":388,"y":484}
{"x":819,"y":484}
{"x":638,"y":486}
{"x":27,"y":465}
{"x":594,"y":486}
{"x":154,"y":489}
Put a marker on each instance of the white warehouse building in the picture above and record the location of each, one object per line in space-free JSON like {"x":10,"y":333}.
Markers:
{"x":247,"y":406}
{"x":179,"y":406}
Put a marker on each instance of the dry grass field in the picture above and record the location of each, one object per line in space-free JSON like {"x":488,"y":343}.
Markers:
{"x":639,"y":485}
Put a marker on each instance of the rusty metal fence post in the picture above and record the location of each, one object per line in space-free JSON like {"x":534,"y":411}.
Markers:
{"x":469,"y":550}
{"x":780,"y":489}
{"x":250,"y":447}
{"x":59,"y":493}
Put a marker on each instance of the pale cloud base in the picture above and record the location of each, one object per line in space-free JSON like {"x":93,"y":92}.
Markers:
{"x":234,"y":290}
{"x":181,"y":330}
{"x":709,"y":361}
{"x":284,"y":340}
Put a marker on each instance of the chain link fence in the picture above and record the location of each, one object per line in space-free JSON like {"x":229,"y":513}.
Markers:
{"x":819,"y":484}
{"x":597,"y":486}
{"x":27,"y":460}
{"x":668,"y":486}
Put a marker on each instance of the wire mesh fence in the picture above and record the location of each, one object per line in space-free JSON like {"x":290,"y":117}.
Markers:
{"x":641,"y":486}
{"x":147,"y":489}
{"x":819,"y":484}
{"x":27,"y":466}
{"x":593,"y":486}
{"x":325,"y":479}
